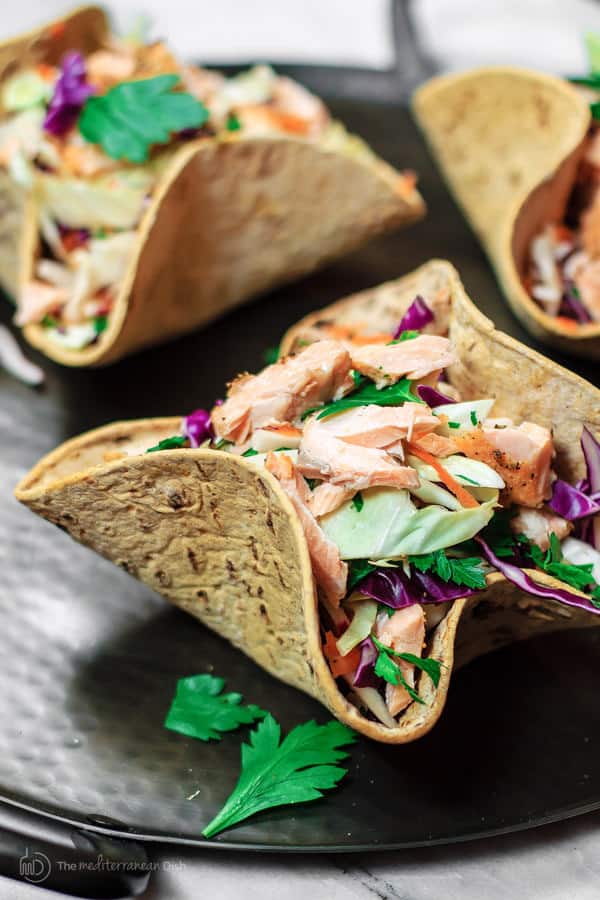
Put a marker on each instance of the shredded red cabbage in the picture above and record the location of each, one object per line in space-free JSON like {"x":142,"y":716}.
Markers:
{"x":416,"y":317}
{"x":197,"y":427}
{"x":393,"y":587}
{"x":522,"y":580}
{"x":571,"y":503}
{"x":431,"y":396}
{"x":365,"y":672}
{"x":572,"y":306}
{"x":591,"y":453}
{"x":70,"y":93}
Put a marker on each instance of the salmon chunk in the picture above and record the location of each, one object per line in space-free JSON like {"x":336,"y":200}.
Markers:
{"x":324,"y":456}
{"x":423,"y":355}
{"x":378,"y":426}
{"x":283,"y":391}
{"x":404,"y":631}
{"x":37,"y":300}
{"x":326,"y":497}
{"x":331,"y":574}
{"x":539,"y":524}
{"x":522,"y":456}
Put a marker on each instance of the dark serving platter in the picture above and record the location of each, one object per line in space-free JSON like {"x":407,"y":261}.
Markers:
{"x":89,"y":658}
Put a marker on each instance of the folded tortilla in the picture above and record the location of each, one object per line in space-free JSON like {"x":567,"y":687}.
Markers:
{"x":508,"y":142}
{"x":220,"y":539}
{"x":230,"y":218}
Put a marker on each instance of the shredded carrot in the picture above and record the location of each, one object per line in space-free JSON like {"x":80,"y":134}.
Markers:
{"x":48,"y":73}
{"x":461,"y":493}
{"x":565,"y":322}
{"x":285,"y":430}
{"x":340,"y":665}
{"x":289,"y":122}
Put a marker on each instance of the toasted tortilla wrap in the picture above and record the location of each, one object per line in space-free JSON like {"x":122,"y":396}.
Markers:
{"x":220,"y":539}
{"x":509,"y":142}
{"x":230,"y":217}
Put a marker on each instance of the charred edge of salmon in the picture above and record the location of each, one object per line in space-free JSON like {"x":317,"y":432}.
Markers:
{"x":192,"y":505}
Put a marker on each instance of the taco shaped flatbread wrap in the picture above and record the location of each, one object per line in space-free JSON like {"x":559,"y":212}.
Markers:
{"x":143,"y":197}
{"x":521,"y":152}
{"x":347,"y":518}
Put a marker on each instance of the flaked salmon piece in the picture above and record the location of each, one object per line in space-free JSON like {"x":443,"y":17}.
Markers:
{"x":378,"y":426}
{"x":331,"y":574}
{"x":105,"y":68}
{"x":522,"y":456}
{"x":587,"y":281}
{"x":293,"y":99}
{"x":322,"y":455}
{"x":37,"y":299}
{"x":202,"y":83}
{"x":539,"y":524}
{"x":436,"y":444}
{"x":424,"y":355}
{"x":258,"y":119}
{"x":404,"y":632}
{"x":282,"y":391}
{"x":327,"y":497}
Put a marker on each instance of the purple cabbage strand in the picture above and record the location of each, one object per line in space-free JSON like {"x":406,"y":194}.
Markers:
{"x":70,"y":93}
{"x":197,"y":427}
{"x":416,"y":317}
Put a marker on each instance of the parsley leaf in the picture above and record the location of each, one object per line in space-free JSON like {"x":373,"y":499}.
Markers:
{"x":387,"y":669}
{"x":270,"y":355}
{"x":357,"y":501}
{"x":578,"y":576}
{"x":473,"y":418}
{"x":367,"y":393}
{"x":250,"y":452}
{"x":134,"y":115}
{"x":50,"y":321}
{"x":200,"y":709}
{"x":222,"y":442}
{"x":453,"y":424}
{"x":170,"y":443}
{"x":405,"y":336}
{"x":357,"y":570}
{"x":233,"y":123}
{"x":275,"y":773}
{"x":468,"y":572}
{"x":100,"y":324}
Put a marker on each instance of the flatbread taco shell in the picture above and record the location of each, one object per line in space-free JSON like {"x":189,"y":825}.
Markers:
{"x":230,"y":218}
{"x":219,"y":538}
{"x":508,"y":142}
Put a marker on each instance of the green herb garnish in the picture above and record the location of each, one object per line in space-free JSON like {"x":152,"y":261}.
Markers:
{"x":387,"y":669}
{"x":357,"y":501}
{"x":170,"y":443}
{"x":270,"y":355}
{"x":275,"y":773}
{"x":388,"y":610}
{"x":453,"y":424}
{"x":552,"y":562}
{"x":49,"y":321}
{"x":250,"y":452}
{"x":473,"y":418}
{"x":467,"y":479}
{"x":368,"y":393}
{"x":100,"y":324}
{"x":408,"y":335}
{"x":200,"y":709}
{"x":312,"y":482}
{"x":218,"y":445}
{"x":233,"y":123}
{"x":357,"y":378}
{"x":467,"y":572}
{"x":133,"y":116}
{"x":357,"y":570}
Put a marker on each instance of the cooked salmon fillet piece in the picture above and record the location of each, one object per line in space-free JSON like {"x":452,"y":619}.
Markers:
{"x":37,"y":299}
{"x":539,"y":524}
{"x":378,"y":426}
{"x":424,"y":355}
{"x":282,"y":391}
{"x":404,"y":632}
{"x":322,"y":455}
{"x":522,"y":456}
{"x":436,"y":444}
{"x":331,"y":574}
{"x":326,"y":497}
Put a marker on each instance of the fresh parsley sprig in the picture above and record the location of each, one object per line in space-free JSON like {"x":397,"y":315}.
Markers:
{"x":386,"y":668}
{"x":468,"y":572}
{"x":278,"y":772}
{"x":133,"y":116}
{"x":366,"y":394}
{"x":170,"y":443}
{"x":357,"y":570}
{"x":201,"y":710}
{"x":552,"y":562}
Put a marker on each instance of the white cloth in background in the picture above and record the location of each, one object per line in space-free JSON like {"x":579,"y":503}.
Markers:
{"x":541,"y":34}
{"x":342,"y":32}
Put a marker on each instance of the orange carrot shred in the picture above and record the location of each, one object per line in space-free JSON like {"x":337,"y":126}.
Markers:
{"x":462,"y":495}
{"x":340,"y":665}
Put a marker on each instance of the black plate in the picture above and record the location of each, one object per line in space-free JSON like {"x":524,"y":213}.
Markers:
{"x":89,"y":658}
